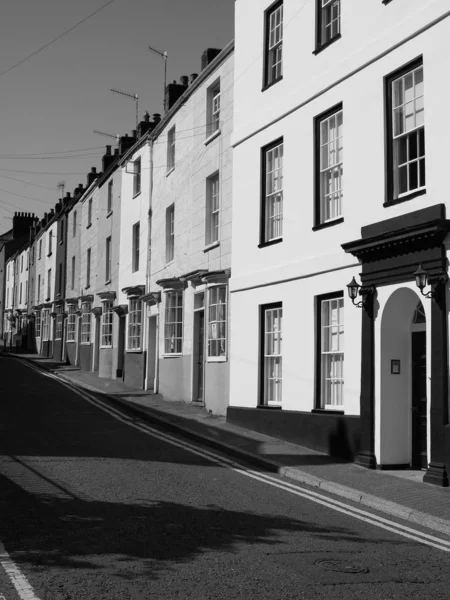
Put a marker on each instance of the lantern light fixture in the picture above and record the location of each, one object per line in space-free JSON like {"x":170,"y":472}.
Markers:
{"x":423,"y":279}
{"x":354,"y":289}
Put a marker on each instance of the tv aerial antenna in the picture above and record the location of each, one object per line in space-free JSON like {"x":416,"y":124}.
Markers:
{"x":110,"y":135}
{"x":134,"y":97}
{"x":164,"y":55}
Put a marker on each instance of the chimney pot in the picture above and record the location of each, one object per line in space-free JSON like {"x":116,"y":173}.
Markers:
{"x":193,"y":77}
{"x":146,"y":116}
{"x":108,"y":149}
{"x":156,"y":117}
{"x":184,"y":80}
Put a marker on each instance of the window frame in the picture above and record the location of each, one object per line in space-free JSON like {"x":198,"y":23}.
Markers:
{"x":171,"y":140}
{"x":170,"y":233}
{"x":89,"y":209}
{"x":217,"y":321}
{"x":267,"y":80}
{"x":318,"y":362}
{"x":135,"y":246}
{"x":59,"y":322}
{"x":88,"y":268}
{"x":178,"y":306}
{"x":262,"y":392}
{"x":390,"y":198}
{"x":211,"y":212}
{"x":45,"y":325}
{"x":71,"y":323}
{"x":213,"y":113}
{"x":318,"y":120}
{"x":73,"y":273}
{"x":49,"y":283}
{"x":319,"y":20}
{"x":74,"y":224}
{"x":86,"y":323}
{"x":37,"y":324}
{"x":137,"y":167}
{"x":106,"y":324}
{"x":263,"y":242}
{"x":109,"y":200}
{"x":134,"y":320}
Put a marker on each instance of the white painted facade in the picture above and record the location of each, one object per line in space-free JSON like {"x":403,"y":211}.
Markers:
{"x":203,"y":158}
{"x":377,"y":40}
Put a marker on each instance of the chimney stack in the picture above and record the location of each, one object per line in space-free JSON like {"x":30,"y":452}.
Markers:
{"x":145,"y":125}
{"x":92,"y":176}
{"x":193,"y":77}
{"x":125,"y":143}
{"x":173,"y":92}
{"x":22,"y":223}
{"x":107,"y":159}
{"x":209,"y":55}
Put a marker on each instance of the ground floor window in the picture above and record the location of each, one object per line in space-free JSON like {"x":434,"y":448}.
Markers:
{"x":107,"y":324}
{"x":173,"y":327}
{"x":71,"y":323}
{"x":217,"y":321}
{"x":59,"y":322}
{"x":86,"y":319}
{"x":331,"y":339}
{"x":272,"y":362}
{"x":46,"y":324}
{"x":37,"y":324}
{"x":134,"y":324}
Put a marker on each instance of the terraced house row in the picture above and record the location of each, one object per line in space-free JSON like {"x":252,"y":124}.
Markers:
{"x":217,"y":259}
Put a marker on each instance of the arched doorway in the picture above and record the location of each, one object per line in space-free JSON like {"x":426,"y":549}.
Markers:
{"x":403,"y":382}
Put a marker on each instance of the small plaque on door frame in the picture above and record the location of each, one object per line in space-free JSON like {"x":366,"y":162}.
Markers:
{"x":395,"y":366}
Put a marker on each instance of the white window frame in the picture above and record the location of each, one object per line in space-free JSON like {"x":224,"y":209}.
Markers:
{"x":59,"y":322}
{"x":88,"y":267}
{"x":137,"y":176}
{"x":330,"y":21}
{"x":38,"y":297}
{"x":170,"y":233}
{"x":274,"y":50}
{"x":108,"y":260}
{"x":74,"y":224}
{"x":135,"y":241}
{"x":89,"y":212}
{"x":72,"y":282}
{"x":217,"y":333}
{"x":37,"y":324}
{"x":273,"y":192}
{"x":49,"y":283}
{"x":45,"y":325}
{"x":71,"y":323}
{"x":331,"y":353}
{"x":410,"y":134}
{"x":50,"y":243}
{"x":213,"y":110}
{"x":106,"y":338}
{"x":212,"y":209}
{"x":272,"y":356}
{"x":109,"y":198}
{"x":134,"y":332}
{"x":331,"y":166}
{"x":86,"y":323}
{"x":171,"y":149}
{"x":173,"y":323}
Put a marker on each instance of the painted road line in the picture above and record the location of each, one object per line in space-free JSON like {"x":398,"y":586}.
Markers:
{"x":16,"y":576}
{"x":291,"y":488}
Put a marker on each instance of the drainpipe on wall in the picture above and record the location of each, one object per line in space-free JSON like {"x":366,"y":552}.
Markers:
{"x":149,"y":252}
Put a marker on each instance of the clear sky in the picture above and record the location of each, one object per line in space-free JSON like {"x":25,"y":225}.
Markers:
{"x":52,"y":102}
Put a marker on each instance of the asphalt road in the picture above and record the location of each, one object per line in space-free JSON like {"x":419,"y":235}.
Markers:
{"x":92,"y":508}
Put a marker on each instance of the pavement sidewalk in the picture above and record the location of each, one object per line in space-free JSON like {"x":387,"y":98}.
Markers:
{"x":401,"y":494}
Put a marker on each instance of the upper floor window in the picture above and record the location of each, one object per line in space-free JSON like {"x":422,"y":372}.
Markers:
{"x":135,"y":246}
{"x":272,"y":197}
{"x":88,"y":268}
{"x":329,"y":166}
{"x":40,"y":248}
{"x":170,"y":233}
{"x":331,"y":350}
{"x":137,"y":176}
{"x":61,"y":231}
{"x":328,"y":22}
{"x":406,"y":133}
{"x":110,"y":197}
{"x":212,"y":209}
{"x":108,"y":259}
{"x":74,"y":224}
{"x":273,"y":67}
{"x":89,"y":212}
{"x":171,"y":149}
{"x":134,"y":324}
{"x":49,"y":284}
{"x":50,"y":242}
{"x":72,"y":282}
{"x":213,"y":109}
{"x":21,"y":263}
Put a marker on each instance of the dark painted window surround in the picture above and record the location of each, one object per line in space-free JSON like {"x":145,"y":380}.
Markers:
{"x":318,"y":361}
{"x":262,"y":224}
{"x":389,"y":154}
{"x":317,"y":121}
{"x":319,"y":45}
{"x":266,"y":83}
{"x":262,"y":324}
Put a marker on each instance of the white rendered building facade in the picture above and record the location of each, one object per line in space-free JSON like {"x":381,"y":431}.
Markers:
{"x":349,"y":96}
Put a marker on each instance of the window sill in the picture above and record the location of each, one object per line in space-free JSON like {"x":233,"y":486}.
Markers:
{"x":328,"y":411}
{"x":109,"y":214}
{"x":136,"y":194}
{"x":85,"y":343}
{"x":47,"y":300}
{"x":174,"y":355}
{"x":70,"y":341}
{"x":105,"y":347}
{"x":211,"y":246}
{"x":270,"y":243}
{"x":216,"y":359}
{"x":171,"y":170}
{"x":107,"y":281}
{"x":136,"y":351}
{"x":49,"y":254}
{"x":89,"y":225}
{"x":328,"y":224}
{"x":267,"y":407}
{"x":319,"y":49}
{"x":212,"y":137}
{"x":266,"y":86}
{"x":405,"y":198}
{"x":87,"y":287}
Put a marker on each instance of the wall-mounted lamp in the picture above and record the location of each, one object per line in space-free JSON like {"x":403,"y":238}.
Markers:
{"x":354,"y":289}
{"x":423,"y":279}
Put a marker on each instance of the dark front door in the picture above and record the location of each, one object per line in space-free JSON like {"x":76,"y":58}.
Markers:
{"x":419,"y":400}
